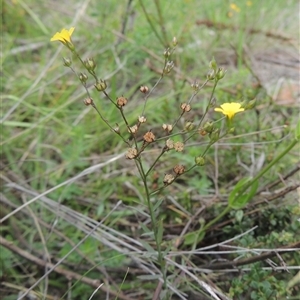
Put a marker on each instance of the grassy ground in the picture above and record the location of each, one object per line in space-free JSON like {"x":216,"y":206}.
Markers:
{"x":87,"y":213}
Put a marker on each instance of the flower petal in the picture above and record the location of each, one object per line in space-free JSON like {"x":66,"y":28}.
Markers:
{"x":230,"y":109}
{"x":64,"y":36}
{"x":218,"y":109}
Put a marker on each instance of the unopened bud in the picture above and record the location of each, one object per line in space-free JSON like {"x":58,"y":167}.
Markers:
{"x":210,"y":75}
{"x":208,"y":127}
{"x":170,"y":144}
{"x":200,"y":160}
{"x":251,"y":104}
{"x":202,"y":222}
{"x":167,"y":53}
{"x":214,"y":136}
{"x":195,"y":86}
{"x":178,"y":146}
{"x":174,"y":41}
{"x":244,"y":104}
{"x":133,"y":129}
{"x":144,"y":89}
{"x":149,"y":137}
{"x":221,"y":73}
{"x":213,"y":64}
{"x":189,"y":126}
{"x":131,"y":153}
{"x":202,"y":132}
{"x":179,"y":169}
{"x":88,"y":101}
{"x":117,"y":128}
{"x":67,"y":62}
{"x":168,"y":179}
{"x":142,"y":119}
{"x":90,"y":64}
{"x":83,"y":78}
{"x":169,"y":66}
{"x":231,"y":130}
{"x":101,"y":85}
{"x":167,"y":127}
{"x":212,"y":102}
{"x":185,"y":107}
{"x":121,"y":101}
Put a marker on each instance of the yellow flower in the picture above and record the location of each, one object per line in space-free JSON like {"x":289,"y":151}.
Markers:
{"x":230,"y":109}
{"x":235,"y":7}
{"x":64,"y":36}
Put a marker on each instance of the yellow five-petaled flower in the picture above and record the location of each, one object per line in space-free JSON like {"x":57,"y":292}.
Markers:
{"x":64,"y":36}
{"x":230,"y":109}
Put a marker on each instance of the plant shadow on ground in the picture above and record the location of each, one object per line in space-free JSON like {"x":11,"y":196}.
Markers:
{"x":49,"y":137}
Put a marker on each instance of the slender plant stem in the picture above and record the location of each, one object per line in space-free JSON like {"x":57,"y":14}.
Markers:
{"x":206,"y":110}
{"x":151,"y":23}
{"x":154,"y":222}
{"x":148,"y":95}
{"x":161,"y":22}
{"x":156,"y":160}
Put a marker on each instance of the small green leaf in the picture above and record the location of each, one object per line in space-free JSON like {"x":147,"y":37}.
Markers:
{"x":237,"y":201}
{"x":234,"y":193}
{"x":239,"y":215}
{"x":240,"y":202}
{"x":193,"y":237}
{"x":190,"y":238}
{"x":253,"y":189}
{"x":100,"y":210}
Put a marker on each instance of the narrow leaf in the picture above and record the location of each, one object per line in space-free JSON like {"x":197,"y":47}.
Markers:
{"x":147,"y":246}
{"x":160,"y":231}
{"x":157,"y":204}
{"x":237,"y":188}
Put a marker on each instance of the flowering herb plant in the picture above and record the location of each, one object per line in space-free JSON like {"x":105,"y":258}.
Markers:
{"x":172,"y":137}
